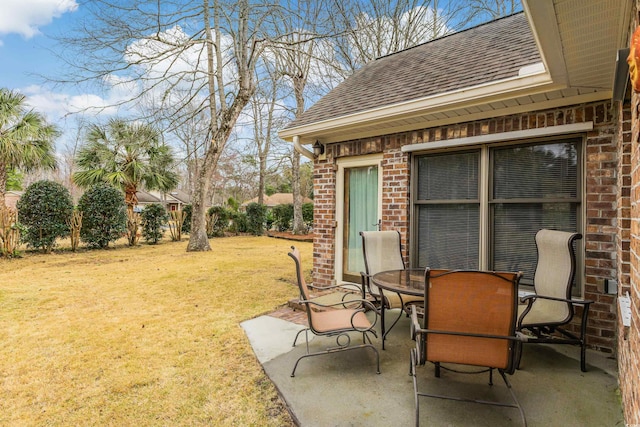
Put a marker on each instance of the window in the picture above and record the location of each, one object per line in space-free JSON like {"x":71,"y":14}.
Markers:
{"x":482,"y":208}
{"x":448,"y":210}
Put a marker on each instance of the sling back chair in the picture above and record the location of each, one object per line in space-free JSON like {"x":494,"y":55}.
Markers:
{"x":382,"y":251}
{"x":551,"y":307}
{"x":469,"y":319}
{"x":326,"y":320}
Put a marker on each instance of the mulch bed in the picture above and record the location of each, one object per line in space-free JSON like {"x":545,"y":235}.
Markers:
{"x":290,"y":236}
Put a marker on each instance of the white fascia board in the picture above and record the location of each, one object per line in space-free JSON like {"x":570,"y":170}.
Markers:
{"x":366,"y":132}
{"x":499,"y":137}
{"x":544,"y":26}
{"x":488,"y":92}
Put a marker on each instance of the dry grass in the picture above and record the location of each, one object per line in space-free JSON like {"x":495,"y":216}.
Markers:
{"x":141,"y":336}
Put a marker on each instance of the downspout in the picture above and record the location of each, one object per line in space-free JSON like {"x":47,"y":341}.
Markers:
{"x":300,"y":149}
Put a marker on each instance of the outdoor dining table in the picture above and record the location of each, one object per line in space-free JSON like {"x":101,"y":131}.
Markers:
{"x":405,"y":282}
{"x":410,"y":281}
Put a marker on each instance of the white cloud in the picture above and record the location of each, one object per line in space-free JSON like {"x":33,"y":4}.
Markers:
{"x":57,"y":105}
{"x":25,"y":17}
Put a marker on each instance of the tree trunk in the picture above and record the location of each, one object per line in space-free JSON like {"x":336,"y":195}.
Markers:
{"x":198,"y":240}
{"x":298,"y":222}
{"x":261,"y":179}
{"x":3,"y":184}
{"x":133,"y":219}
{"x":299,"y":83}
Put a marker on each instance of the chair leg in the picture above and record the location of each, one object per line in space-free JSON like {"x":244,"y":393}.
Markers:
{"x":295,"y":340}
{"x":583,"y":338}
{"x":382,"y":328}
{"x":334,"y":350}
{"x":513,"y":396}
{"x":412,"y":371}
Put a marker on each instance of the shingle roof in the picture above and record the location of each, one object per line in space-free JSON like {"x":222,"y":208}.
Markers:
{"x":144,"y":197}
{"x":489,"y":52}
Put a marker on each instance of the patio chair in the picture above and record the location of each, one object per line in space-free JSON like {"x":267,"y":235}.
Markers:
{"x":551,"y":307}
{"x":329,"y":321}
{"x":382,"y":251}
{"x":469,"y":319}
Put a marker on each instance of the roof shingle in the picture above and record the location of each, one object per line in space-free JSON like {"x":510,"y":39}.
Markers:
{"x":487,"y":53}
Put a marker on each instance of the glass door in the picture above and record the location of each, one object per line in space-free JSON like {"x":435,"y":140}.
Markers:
{"x":360,"y":213}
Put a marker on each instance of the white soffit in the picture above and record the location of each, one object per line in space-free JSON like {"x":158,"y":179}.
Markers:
{"x":500,"y":137}
{"x":579,"y":39}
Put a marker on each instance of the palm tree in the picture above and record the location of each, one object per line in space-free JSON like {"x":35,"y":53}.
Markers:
{"x":129,"y":156}
{"x":26,"y":139}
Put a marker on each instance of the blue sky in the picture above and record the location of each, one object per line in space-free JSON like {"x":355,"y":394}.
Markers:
{"x":27,"y":28}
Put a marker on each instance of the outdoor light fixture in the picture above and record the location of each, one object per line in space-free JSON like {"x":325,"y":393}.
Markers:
{"x":318,"y":149}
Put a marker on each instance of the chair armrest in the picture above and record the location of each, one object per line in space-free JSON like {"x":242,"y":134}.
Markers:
{"x":350,"y":286}
{"x":365,"y":304}
{"x":335,"y":304}
{"x":516,"y":337}
{"x":533,"y":297}
{"x":415,"y":327}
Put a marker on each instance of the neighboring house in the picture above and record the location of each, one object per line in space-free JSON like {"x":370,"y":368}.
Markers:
{"x":276,"y":199}
{"x":173,"y":200}
{"x":470,"y":143}
{"x":145,"y":199}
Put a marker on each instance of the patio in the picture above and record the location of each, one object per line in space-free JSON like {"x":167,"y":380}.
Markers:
{"x":342,"y":389}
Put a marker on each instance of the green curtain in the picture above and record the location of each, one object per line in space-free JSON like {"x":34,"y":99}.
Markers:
{"x":363,"y":212}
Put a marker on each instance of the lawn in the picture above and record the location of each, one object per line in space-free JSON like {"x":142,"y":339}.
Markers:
{"x":141,"y":336}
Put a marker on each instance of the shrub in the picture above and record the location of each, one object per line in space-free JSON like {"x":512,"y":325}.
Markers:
{"x":104,"y":215}
{"x":154,"y":217}
{"x":186,"y":224}
{"x":239,"y":222}
{"x":256,"y":216}
{"x":44,"y":209}
{"x":218,"y":221}
{"x":307,"y":214}
{"x":269,"y":219}
{"x":283,"y":216}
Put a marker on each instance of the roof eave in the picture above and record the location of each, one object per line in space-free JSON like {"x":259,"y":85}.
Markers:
{"x":498,"y":90}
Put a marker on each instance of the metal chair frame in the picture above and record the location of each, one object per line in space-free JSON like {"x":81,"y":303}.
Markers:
{"x":545,"y":332}
{"x":420,"y":333}
{"x":381,"y":302}
{"x":355,"y":321}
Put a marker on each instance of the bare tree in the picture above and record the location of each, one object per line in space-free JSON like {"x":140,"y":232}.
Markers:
{"x":483,"y":10}
{"x":189,"y":138}
{"x":266,"y":116}
{"x":368,"y":30}
{"x":194,"y":52}
{"x":300,"y":56}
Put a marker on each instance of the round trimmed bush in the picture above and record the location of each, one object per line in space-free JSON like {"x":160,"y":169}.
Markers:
{"x":283,"y":216}
{"x":104,"y":215}
{"x":44,"y":209}
{"x":154,"y":217}
{"x":256,"y":218}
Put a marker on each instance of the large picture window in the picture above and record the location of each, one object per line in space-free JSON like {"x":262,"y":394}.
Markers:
{"x":482,"y":208}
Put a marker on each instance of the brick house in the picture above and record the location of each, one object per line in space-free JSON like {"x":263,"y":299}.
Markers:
{"x":470,"y":143}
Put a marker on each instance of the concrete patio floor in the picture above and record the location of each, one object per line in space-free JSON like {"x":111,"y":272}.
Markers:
{"x":343,"y":389}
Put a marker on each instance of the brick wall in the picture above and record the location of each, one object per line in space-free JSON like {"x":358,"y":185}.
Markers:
{"x":602,"y":181}
{"x":629,"y":265}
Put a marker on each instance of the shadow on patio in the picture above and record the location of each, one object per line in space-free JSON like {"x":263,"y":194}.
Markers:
{"x":343,"y":389}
